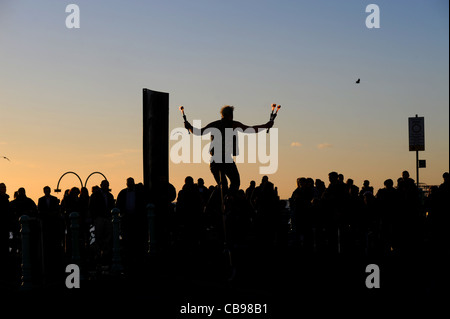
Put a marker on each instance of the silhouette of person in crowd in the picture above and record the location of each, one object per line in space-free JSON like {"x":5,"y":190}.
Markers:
{"x":366,"y":188}
{"x":52,"y":232}
{"x":5,"y":228}
{"x":23,"y":205}
{"x":320,"y":187}
{"x":438,"y":207}
{"x":388,"y":205}
{"x":100,"y":205}
{"x":258,"y":190}
{"x":249,"y":191}
{"x":408,"y":218}
{"x":353,"y":190}
{"x":341,"y":178}
{"x":204,"y":191}
{"x":223,"y":166}
{"x":265,"y":201}
{"x":189,"y":209}
{"x":445,"y":186}
{"x":334,"y":200}
{"x":301,"y":206}
{"x":70,"y":204}
{"x":131,"y":203}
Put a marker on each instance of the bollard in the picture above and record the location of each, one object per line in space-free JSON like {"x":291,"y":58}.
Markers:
{"x":26,"y":283}
{"x":151,"y":229}
{"x":75,"y":227}
{"x":116,"y":267}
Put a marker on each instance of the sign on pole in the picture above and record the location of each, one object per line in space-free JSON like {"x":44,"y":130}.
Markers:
{"x":416,"y":133}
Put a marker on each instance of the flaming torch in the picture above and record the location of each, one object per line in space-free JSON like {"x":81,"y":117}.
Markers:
{"x":184,"y":115}
{"x":273,"y":115}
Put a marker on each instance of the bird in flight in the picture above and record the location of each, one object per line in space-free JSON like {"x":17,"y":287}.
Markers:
{"x":358,"y":81}
{"x":6,"y":158}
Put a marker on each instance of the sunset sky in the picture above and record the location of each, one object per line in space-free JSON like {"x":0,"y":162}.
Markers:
{"x":71,"y":99}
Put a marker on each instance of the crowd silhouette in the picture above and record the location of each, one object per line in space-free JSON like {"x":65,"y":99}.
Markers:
{"x":320,"y":218}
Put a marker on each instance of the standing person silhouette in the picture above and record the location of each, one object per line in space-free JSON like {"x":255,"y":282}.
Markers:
{"x":224,"y":166}
{"x":100,"y":205}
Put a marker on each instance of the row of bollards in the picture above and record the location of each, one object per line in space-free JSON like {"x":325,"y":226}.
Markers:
{"x":116,"y":267}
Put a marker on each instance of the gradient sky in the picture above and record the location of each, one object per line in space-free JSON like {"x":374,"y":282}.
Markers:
{"x":71,"y":99}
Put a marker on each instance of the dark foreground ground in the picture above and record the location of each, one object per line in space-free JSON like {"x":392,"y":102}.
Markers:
{"x":291,"y":283}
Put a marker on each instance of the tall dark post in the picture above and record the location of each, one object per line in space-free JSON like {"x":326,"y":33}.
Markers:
{"x":417,"y":165}
{"x":156,"y":155}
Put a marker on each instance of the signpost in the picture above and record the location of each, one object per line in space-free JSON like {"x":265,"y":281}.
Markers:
{"x":416,"y":126}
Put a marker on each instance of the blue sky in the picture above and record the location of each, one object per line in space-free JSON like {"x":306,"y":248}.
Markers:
{"x":71,"y":99}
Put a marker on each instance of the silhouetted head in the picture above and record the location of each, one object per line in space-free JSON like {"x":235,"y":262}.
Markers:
{"x":366,"y":183}
{"x":74,"y":192}
{"x":130,"y":182}
{"x":84,"y":191}
{"x":333,"y":177}
{"x":104,"y":185}
{"x":200,"y":182}
{"x":389,"y":183}
{"x":405,"y":174}
{"x":252,"y":183}
{"x":264,"y":179}
{"x":2,"y":188}
{"x":301,"y":182}
{"x":340,"y":178}
{"x":47,"y":190}
{"x":21,"y":192}
{"x":446,"y":177}
{"x":95,"y":189}
{"x":227,"y":112}
{"x":350,"y":182}
{"x":319,"y":183}
{"x":189,"y":180}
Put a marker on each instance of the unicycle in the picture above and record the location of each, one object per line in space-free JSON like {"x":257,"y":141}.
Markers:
{"x":230,"y":268}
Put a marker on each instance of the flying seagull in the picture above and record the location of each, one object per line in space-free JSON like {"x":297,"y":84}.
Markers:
{"x":6,"y":158}
{"x":357,"y":81}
